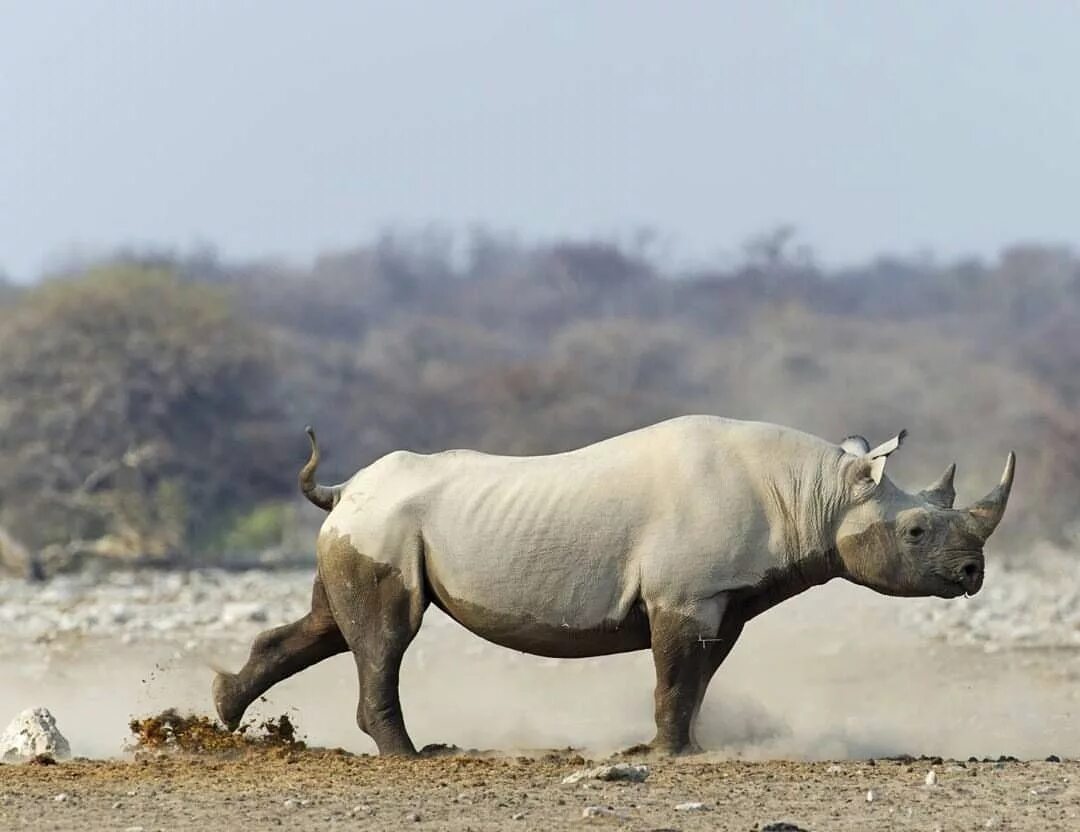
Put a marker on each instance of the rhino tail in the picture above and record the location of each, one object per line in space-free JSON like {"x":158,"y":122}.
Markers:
{"x":324,"y":496}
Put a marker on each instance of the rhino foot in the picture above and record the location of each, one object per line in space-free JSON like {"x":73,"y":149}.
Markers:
{"x":230,"y":708}
{"x":661,"y":748}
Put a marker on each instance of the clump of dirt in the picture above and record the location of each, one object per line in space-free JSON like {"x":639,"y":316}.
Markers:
{"x":171,"y":731}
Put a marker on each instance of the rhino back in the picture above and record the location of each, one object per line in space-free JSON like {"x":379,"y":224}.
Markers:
{"x":577,"y":540}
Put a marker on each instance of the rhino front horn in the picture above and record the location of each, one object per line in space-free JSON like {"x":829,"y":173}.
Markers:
{"x":988,"y":511}
{"x":941,"y":493}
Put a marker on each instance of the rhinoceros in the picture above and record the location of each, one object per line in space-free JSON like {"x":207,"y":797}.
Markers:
{"x":667,"y":538}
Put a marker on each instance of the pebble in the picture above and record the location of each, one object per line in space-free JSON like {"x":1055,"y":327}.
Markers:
{"x":931,"y":778}
{"x":518,"y":816}
{"x":597,"y":811}
{"x":869,"y":795}
{"x":691,"y":806}
{"x":413,"y":817}
{"x":61,"y":798}
{"x":626,"y":772}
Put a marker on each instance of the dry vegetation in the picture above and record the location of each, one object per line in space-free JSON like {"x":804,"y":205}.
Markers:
{"x":151,"y":407}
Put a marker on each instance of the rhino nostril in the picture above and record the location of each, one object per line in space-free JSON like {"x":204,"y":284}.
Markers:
{"x":971,"y":570}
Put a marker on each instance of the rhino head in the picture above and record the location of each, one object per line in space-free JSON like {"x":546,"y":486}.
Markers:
{"x":911,"y":544}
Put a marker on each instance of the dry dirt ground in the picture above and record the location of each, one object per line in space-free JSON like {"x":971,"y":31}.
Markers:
{"x":813,"y":691}
{"x":319,"y":790}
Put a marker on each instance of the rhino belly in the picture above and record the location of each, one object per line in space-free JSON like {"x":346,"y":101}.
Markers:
{"x":535,"y":632}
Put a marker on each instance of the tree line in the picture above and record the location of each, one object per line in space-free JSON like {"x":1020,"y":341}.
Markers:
{"x":152,"y":404}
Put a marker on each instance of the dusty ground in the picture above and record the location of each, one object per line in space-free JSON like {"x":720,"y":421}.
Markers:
{"x":312,"y":790}
{"x":813,"y":690}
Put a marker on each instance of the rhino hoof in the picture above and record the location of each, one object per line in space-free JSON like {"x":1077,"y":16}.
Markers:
{"x":224,"y":693}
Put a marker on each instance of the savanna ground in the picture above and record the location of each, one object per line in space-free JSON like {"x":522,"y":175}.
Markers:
{"x":814,"y":691}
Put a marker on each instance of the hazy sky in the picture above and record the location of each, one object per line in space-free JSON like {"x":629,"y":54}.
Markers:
{"x":283,"y":128}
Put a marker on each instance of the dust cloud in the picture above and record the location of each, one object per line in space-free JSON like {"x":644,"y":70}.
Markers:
{"x":829,"y":675}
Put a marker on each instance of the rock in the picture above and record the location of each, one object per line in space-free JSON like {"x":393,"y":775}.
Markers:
{"x":931,"y":778}
{"x":518,"y":816}
{"x":834,"y":769}
{"x":61,"y":798}
{"x":413,"y":817}
{"x":869,"y":795}
{"x":627,"y":772}
{"x":598,"y":811}
{"x":782,"y":826}
{"x":31,"y":733}
{"x":691,"y":806}
{"x":239,"y":612}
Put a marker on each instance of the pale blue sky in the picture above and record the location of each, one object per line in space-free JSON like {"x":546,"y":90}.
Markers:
{"x":274,"y":128}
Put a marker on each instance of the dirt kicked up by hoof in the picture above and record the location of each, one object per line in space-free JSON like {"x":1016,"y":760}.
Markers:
{"x":171,"y":731}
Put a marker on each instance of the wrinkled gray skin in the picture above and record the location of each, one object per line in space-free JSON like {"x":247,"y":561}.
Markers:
{"x":669,"y":538}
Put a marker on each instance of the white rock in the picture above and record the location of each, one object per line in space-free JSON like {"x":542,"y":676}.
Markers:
{"x":31,"y":733}
{"x":870,"y":796}
{"x":239,"y":612}
{"x":931,"y":778}
{"x":691,"y":806}
{"x":597,"y":811}
{"x":619,"y":771}
{"x":61,"y":798}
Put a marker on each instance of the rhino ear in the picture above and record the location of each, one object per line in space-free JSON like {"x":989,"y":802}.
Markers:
{"x":871,"y":464}
{"x":856,"y":445}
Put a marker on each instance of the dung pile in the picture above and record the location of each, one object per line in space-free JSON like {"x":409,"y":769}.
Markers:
{"x":171,"y":731}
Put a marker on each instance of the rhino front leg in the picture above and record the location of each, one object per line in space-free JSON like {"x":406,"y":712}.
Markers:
{"x":277,"y":654}
{"x":686,"y":656}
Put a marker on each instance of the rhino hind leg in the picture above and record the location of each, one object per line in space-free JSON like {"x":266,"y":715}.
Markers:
{"x":277,"y":654}
{"x":379,"y":615}
{"x":688,"y":645}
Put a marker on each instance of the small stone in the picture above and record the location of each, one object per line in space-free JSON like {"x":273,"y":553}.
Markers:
{"x":869,"y":795}
{"x":834,"y":769}
{"x":239,"y":612}
{"x":290,"y":803}
{"x":691,"y":806}
{"x":118,"y":805}
{"x":782,"y":826}
{"x":597,"y":811}
{"x":133,"y":829}
{"x":518,"y":816}
{"x":931,"y":778}
{"x":61,"y":798}
{"x":413,"y":817}
{"x":1053,"y":758}
{"x":626,"y":772}
{"x":361,"y":809}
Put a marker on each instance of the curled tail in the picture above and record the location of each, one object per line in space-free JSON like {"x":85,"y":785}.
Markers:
{"x":324,"y":496}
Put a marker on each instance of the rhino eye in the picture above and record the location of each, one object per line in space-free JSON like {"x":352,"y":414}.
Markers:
{"x":915,"y":532}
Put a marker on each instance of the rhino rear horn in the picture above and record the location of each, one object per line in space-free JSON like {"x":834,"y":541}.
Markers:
{"x":941,"y":493}
{"x":987,"y":513}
